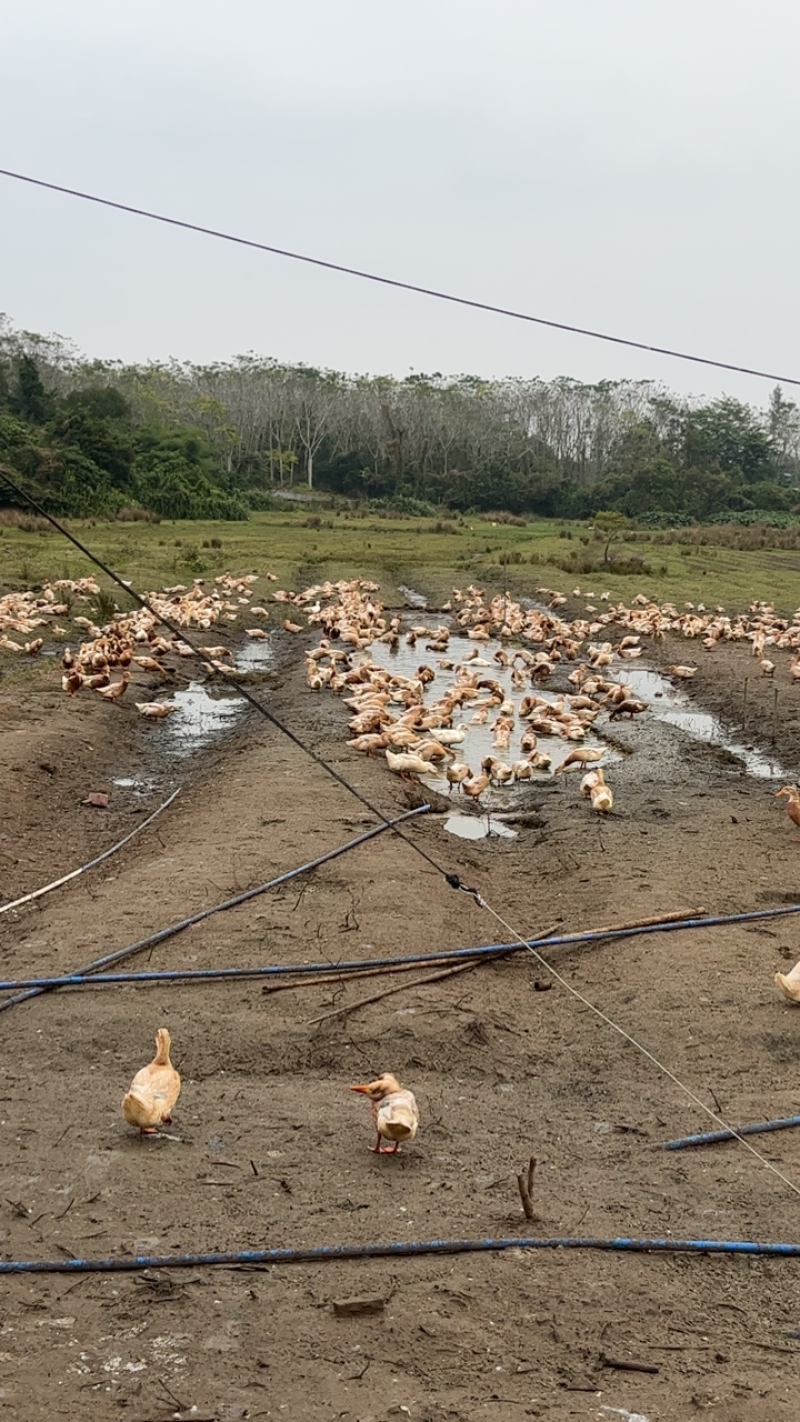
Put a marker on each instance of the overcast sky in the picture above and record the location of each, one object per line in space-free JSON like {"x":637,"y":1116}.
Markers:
{"x":627,"y":165}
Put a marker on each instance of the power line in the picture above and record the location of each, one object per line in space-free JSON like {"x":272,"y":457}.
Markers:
{"x":400,"y":285}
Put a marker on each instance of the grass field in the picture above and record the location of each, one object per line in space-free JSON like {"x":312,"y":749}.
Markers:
{"x":433,"y":555}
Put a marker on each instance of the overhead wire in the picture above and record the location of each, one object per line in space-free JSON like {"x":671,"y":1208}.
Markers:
{"x":363,"y":275}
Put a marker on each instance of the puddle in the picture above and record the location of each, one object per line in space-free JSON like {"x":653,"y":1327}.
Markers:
{"x":479,"y":740}
{"x":203,"y":714}
{"x":668,"y":703}
{"x":130,"y":782}
{"x":477,"y":827}
{"x":255,"y":654}
{"x":416,"y":599}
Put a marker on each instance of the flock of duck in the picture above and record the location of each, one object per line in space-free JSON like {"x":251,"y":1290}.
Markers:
{"x":420,"y":723}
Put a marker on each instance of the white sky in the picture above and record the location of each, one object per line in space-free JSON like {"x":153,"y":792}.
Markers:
{"x":628,"y":165}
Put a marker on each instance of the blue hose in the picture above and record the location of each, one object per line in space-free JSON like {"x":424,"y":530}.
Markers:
{"x":122,"y":953}
{"x":82,"y":979}
{"x":486,"y":950}
{"x":402,"y":1249}
{"x":781,"y":1123}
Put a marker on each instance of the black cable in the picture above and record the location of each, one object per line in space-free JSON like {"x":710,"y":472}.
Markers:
{"x":401,"y":285}
{"x":180,"y":632}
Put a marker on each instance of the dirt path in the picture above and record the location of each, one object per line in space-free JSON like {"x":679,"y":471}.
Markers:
{"x":273,"y":1148}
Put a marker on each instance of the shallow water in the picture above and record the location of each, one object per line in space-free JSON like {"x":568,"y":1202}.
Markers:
{"x":209,"y":709}
{"x":479,"y":740}
{"x":132,"y":782}
{"x":414,"y":598}
{"x":255,"y":654}
{"x":671,"y":704}
{"x":478,"y":827}
{"x":203,"y":713}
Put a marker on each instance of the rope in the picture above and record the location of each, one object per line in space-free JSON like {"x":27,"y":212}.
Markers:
{"x":393,"y":282}
{"x":645,"y":1052}
{"x":180,"y":632}
{"x":401,"y":1250}
{"x":174,"y":928}
{"x":57,"y":883}
{"x":353,"y":965}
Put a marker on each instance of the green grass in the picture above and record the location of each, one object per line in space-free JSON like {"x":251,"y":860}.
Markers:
{"x":392,"y":551}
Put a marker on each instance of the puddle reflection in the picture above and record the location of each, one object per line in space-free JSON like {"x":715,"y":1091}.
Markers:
{"x":477,"y":827}
{"x":202,"y":714}
{"x":669,"y":704}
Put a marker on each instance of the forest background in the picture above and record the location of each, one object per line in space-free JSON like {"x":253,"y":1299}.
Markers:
{"x":90,"y":438}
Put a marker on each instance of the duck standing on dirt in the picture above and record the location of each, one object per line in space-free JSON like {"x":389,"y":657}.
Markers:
{"x":789,"y":983}
{"x":793,"y":806}
{"x":600,"y":794}
{"x":394,"y":1111}
{"x":154,"y":1090}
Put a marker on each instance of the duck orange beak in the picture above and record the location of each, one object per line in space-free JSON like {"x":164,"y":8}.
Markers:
{"x":363,"y":1089}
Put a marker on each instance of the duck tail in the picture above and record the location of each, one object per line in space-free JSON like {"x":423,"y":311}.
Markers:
{"x":137,"y":1110}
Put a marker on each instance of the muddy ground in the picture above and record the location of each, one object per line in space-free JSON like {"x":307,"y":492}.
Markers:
{"x":273,"y":1149}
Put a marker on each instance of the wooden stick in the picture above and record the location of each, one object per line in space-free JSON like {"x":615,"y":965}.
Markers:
{"x":401,"y":987}
{"x":334,"y":977}
{"x":526,"y":1190}
{"x":341,"y":977}
{"x":647,"y":922}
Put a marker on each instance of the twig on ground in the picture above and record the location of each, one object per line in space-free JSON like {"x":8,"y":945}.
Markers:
{"x":401,"y":987}
{"x":525,"y":1184}
{"x":628,"y":1365}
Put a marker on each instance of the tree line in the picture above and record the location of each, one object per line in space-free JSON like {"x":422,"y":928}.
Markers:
{"x":181,"y":440}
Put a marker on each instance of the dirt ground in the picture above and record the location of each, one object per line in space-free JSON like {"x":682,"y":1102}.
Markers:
{"x":272,"y":1149}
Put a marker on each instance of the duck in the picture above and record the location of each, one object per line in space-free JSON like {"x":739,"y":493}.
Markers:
{"x":629,"y":707}
{"x":155,"y":710}
{"x":407,"y":763}
{"x":528,"y":740}
{"x":601,"y":796}
{"x":71,"y":682}
{"x":476,"y":785}
{"x":590,"y":781}
{"x":151,"y":664}
{"x":368,"y":743}
{"x":394,"y":1111}
{"x":457,"y":773}
{"x":433,"y":750}
{"x":793,"y":805}
{"x":580,"y":757}
{"x":449,"y":736}
{"x":154,"y":1090}
{"x":540,"y":760}
{"x":498,"y":770}
{"x":789,"y":983}
{"x":116,"y":689}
